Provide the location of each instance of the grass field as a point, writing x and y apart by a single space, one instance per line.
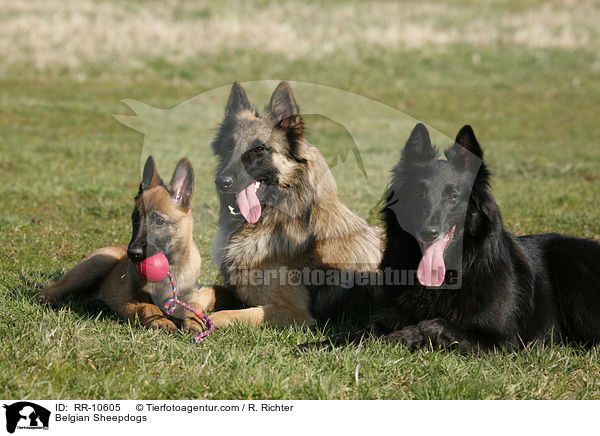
526 75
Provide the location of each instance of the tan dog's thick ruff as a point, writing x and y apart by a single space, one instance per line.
280 211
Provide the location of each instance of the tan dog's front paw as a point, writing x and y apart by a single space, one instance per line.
221 319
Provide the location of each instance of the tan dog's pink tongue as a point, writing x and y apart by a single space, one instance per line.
249 205
432 270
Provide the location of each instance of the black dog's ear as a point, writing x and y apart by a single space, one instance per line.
466 138
465 152
238 100
284 109
181 186
418 147
150 177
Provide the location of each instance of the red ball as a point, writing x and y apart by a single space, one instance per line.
153 268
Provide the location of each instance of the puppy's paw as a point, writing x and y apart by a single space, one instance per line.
193 324
164 324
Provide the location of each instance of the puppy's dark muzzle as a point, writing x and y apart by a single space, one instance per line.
136 253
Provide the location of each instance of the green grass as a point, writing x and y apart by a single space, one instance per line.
69 171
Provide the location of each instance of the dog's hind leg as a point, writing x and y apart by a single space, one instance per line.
85 276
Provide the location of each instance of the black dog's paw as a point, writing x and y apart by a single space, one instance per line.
436 333
410 336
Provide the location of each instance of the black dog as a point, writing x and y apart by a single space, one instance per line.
515 290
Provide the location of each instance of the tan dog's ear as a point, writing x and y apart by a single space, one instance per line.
150 177
181 186
238 100
286 113
284 109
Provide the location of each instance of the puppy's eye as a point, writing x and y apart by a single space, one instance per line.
159 221
258 149
452 196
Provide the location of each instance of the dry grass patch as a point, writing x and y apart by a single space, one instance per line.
52 35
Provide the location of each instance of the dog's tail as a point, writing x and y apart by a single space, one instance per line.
85 276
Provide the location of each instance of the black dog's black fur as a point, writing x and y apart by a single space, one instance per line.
515 290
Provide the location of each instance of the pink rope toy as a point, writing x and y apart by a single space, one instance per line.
172 304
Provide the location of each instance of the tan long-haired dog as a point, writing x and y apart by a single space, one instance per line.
287 247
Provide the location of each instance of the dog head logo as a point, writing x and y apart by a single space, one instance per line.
26 415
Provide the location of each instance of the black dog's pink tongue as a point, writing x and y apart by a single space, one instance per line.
248 204
432 270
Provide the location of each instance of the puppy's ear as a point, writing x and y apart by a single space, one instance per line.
466 151
284 109
238 100
181 186
418 147
150 177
